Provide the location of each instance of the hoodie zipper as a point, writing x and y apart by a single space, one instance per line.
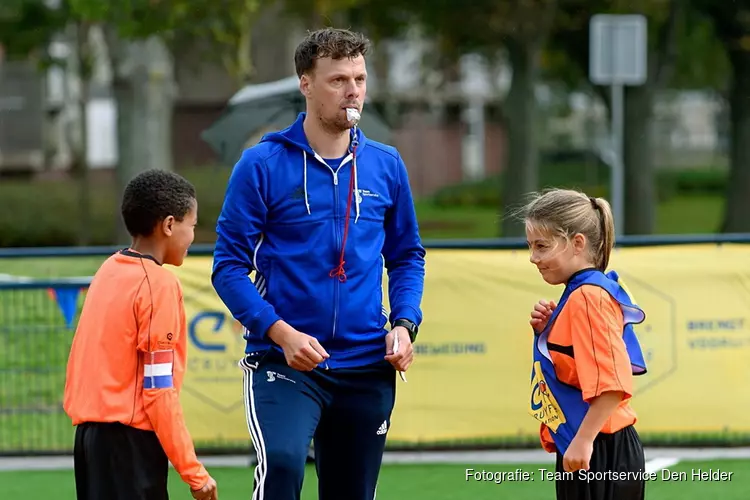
336 282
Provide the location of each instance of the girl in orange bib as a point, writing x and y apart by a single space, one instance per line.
585 351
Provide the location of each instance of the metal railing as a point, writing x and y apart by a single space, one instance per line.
465 244
37 318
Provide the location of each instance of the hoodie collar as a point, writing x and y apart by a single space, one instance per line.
295 135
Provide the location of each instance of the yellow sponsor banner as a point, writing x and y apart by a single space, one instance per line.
472 371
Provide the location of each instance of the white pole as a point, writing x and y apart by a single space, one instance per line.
618 175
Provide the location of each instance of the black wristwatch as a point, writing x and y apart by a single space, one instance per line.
411 327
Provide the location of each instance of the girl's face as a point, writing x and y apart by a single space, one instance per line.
555 257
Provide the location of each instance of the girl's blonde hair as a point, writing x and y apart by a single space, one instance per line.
565 212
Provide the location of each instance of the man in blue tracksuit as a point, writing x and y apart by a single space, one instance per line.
318 212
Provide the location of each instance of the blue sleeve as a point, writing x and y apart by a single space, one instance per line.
404 253
238 230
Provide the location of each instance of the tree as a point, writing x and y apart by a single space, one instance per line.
27 28
731 21
224 28
571 36
142 83
527 25
521 28
140 36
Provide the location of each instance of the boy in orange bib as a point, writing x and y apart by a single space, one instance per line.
128 357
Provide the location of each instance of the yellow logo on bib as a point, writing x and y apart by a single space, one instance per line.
543 405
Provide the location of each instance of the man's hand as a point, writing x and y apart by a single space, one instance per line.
405 355
578 454
208 492
302 352
541 314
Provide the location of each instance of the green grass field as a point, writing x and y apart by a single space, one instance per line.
418 482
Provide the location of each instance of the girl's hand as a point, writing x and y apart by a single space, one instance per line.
541 313
578 454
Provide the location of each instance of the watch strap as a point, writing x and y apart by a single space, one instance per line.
410 326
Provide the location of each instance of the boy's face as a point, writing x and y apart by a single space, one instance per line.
180 236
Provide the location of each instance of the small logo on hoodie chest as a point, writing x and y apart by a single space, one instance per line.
363 193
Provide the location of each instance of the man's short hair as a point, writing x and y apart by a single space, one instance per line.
329 42
152 196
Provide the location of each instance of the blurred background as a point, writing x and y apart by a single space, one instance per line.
485 100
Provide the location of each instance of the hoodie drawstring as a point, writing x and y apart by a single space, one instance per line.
307 202
356 184
338 271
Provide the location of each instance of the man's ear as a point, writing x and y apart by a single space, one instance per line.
304 85
167 225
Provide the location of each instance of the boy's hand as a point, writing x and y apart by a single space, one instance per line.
208 492
541 314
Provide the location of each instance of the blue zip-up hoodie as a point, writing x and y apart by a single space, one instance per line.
283 217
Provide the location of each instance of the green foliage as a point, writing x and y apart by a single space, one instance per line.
132 18
27 26
731 20
698 182
699 60
325 9
592 179
460 211
28 219
380 19
481 26
224 29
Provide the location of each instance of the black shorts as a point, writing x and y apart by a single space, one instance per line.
619 452
117 462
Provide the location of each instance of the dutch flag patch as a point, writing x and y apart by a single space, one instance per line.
157 370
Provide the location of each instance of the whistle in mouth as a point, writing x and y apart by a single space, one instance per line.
352 115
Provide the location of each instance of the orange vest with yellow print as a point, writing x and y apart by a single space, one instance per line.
559 406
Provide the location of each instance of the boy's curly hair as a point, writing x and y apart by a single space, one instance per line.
152 196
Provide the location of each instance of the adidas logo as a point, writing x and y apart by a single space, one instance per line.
383 428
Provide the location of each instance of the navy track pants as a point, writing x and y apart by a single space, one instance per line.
346 413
